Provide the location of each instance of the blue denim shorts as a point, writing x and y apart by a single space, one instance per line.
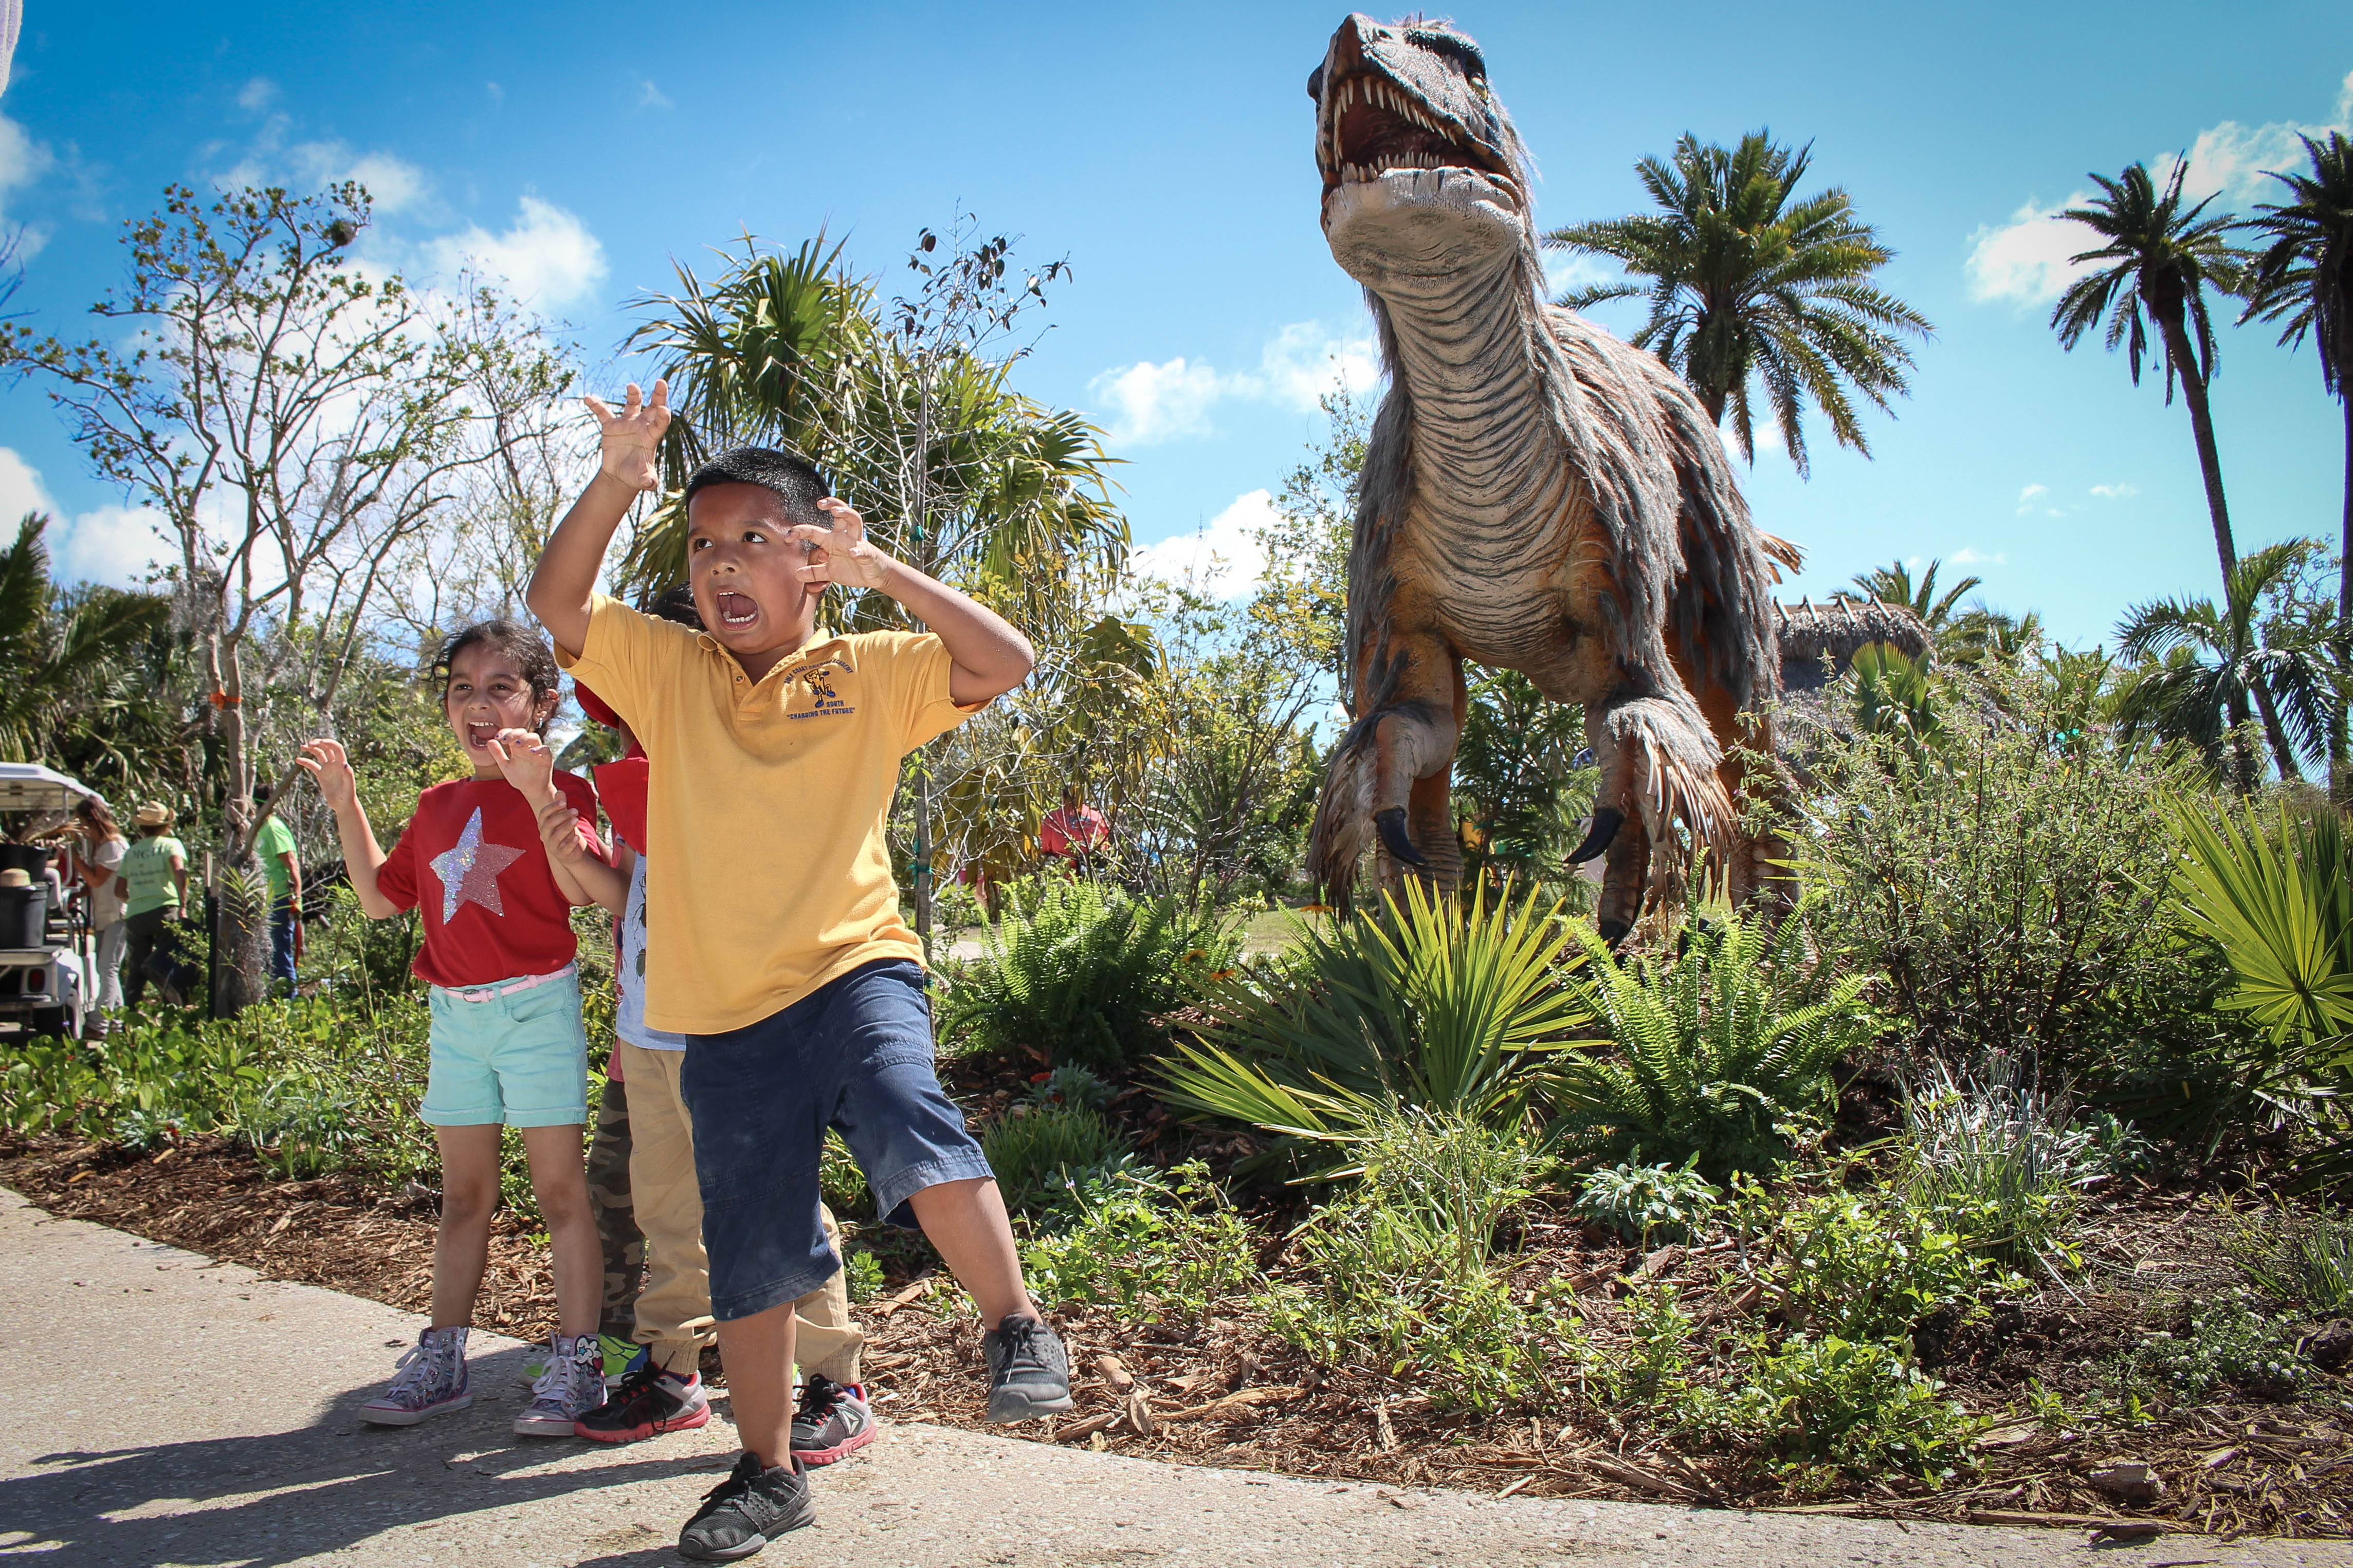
521 1059
854 1055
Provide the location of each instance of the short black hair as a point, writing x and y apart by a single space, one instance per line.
676 604
525 646
799 486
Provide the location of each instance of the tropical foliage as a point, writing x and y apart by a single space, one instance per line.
1748 284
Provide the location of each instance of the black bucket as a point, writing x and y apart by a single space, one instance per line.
32 859
24 917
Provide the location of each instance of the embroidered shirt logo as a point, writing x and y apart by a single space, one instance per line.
469 870
826 703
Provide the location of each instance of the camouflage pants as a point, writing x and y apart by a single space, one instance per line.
617 1220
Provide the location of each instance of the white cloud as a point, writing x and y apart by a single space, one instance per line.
114 544
395 184
1171 401
1566 269
1967 556
497 94
651 97
2025 260
549 258
2116 492
1223 559
22 162
2031 497
257 94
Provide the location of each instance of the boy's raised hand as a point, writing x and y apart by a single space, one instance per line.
326 761
527 763
840 553
631 438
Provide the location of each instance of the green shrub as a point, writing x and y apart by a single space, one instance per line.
839 1181
1428 1003
1850 1408
2009 884
1086 975
1073 1086
1038 1155
1644 1202
1713 1051
1864 1265
863 1275
2304 1260
2227 1343
1144 1244
1394 1272
1995 1157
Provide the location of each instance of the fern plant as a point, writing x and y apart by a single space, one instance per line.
1428 1004
1711 1052
1084 976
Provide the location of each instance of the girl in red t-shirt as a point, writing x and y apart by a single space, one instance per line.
507 1043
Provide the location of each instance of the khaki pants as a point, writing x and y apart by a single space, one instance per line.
674 1308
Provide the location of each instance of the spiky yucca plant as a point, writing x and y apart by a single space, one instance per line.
1431 1003
1711 1051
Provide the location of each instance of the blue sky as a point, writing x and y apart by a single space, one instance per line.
1166 151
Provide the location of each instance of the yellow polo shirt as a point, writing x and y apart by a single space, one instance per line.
767 874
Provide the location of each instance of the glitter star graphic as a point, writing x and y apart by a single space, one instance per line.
469 869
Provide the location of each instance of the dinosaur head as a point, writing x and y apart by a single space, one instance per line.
1421 166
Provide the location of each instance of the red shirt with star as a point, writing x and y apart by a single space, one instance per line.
471 861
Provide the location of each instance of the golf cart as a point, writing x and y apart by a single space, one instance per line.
43 943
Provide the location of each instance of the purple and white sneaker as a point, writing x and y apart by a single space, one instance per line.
571 1386
431 1382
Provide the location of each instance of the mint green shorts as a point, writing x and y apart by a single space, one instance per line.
521 1059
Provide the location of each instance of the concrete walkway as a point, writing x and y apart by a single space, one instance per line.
165 1410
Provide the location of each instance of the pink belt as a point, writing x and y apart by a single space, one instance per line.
492 992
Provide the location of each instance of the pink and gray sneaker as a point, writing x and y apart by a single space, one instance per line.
431 1382
570 1386
830 1421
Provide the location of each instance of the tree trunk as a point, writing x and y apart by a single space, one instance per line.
2282 752
2202 424
2340 767
241 932
2243 755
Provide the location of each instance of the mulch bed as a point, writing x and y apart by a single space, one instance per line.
1218 1389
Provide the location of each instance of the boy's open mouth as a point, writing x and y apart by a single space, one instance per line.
735 610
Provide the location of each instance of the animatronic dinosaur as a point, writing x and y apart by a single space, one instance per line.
1537 496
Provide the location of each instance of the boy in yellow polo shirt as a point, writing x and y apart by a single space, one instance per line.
775 941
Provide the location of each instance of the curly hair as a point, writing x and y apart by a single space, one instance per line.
527 647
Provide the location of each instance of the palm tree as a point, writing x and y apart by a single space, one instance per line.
1747 282
2305 278
2204 664
1893 585
2163 259
74 687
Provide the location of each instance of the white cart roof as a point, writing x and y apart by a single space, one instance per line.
28 786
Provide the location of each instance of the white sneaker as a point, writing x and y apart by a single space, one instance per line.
431 1382
572 1385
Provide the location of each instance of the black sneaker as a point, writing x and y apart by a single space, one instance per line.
1029 1370
829 1423
649 1401
743 1513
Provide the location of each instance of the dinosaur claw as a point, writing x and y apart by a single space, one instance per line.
1613 931
1606 823
1394 837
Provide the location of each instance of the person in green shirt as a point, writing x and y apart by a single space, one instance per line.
274 846
153 885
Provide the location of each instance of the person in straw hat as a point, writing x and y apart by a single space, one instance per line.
154 884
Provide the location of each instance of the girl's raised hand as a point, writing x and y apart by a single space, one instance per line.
559 830
527 763
326 761
631 438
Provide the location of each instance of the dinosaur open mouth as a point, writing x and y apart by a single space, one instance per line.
1370 126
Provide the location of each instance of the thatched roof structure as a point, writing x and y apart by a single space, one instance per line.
1812 633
